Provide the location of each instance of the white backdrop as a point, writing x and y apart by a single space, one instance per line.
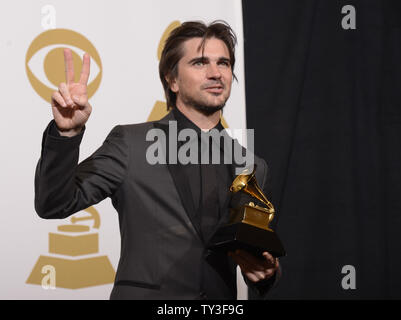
126 35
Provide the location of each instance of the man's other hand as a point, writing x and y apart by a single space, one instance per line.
255 269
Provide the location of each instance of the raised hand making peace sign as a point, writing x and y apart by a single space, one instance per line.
70 105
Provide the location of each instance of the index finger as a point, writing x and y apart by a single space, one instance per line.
85 69
269 257
69 66
251 258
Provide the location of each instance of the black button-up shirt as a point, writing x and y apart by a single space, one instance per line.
221 181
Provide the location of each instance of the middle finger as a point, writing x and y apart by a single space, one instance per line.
63 89
69 66
261 263
249 267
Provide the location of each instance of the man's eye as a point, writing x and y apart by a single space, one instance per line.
198 63
224 63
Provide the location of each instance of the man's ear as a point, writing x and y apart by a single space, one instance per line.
172 84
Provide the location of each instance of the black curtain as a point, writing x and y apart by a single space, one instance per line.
325 106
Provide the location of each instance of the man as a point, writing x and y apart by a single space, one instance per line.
167 212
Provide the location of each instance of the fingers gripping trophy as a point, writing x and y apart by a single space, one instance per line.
70 106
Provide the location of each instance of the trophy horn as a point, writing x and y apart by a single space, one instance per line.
246 182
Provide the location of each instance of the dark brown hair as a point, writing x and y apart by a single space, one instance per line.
172 51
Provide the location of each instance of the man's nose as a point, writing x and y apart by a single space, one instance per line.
213 71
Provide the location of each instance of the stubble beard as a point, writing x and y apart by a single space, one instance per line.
202 106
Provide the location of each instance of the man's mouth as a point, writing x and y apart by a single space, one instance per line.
214 89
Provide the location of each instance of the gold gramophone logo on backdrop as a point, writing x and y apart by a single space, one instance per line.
159 109
68 245
53 66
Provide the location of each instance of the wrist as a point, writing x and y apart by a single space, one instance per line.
70 133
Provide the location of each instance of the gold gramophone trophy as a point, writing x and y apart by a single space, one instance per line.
248 227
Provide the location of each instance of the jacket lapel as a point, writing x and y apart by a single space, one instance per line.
231 200
227 199
180 179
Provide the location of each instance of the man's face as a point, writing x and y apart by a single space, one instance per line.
203 81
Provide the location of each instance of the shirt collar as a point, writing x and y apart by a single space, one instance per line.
183 122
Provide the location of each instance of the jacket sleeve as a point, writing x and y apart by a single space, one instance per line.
63 187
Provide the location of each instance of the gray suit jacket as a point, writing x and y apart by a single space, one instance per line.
163 253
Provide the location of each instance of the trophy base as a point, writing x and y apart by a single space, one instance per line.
248 238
